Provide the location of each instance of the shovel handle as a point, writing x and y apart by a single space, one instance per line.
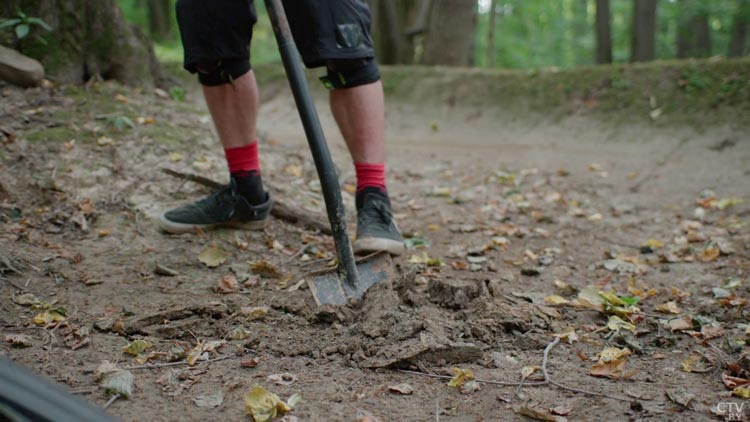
316 139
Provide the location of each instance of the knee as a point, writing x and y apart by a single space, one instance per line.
221 72
349 73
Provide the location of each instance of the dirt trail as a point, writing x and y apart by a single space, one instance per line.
502 209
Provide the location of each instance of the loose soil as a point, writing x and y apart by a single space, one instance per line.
495 211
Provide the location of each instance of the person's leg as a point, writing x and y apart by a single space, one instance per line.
359 112
234 110
215 36
360 115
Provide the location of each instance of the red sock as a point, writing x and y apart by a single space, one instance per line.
370 175
243 161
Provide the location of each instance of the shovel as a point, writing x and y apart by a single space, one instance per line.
352 277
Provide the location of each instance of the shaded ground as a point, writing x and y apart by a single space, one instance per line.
497 210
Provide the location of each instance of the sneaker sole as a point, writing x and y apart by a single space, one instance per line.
370 245
180 228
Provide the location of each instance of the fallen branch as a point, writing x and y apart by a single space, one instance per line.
21 288
168 364
447 377
281 210
549 380
111 400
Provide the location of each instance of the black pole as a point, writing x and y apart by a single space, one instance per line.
326 171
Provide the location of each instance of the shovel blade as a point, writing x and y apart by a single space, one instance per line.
330 287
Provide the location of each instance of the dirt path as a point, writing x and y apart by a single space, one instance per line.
497 213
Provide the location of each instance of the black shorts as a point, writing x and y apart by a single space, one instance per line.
220 30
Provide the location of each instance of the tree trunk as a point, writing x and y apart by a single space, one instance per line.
451 30
88 38
693 32
580 29
491 34
603 32
643 42
393 45
159 19
740 29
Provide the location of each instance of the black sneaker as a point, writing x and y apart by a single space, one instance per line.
223 208
376 230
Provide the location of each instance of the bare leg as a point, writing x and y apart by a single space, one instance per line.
360 114
234 109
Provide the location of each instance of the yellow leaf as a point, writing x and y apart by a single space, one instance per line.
612 298
654 244
175 157
238 333
709 254
742 391
197 353
136 347
669 308
610 354
689 364
264 405
48 317
616 323
556 300
568 335
460 376
728 202
213 256
122 99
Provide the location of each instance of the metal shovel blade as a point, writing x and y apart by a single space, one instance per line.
329 286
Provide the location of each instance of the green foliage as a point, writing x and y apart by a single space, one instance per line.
22 25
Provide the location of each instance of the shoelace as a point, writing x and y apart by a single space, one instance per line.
376 212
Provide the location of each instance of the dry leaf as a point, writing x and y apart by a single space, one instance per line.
539 414
213 256
616 323
250 363
709 254
265 269
691 364
255 312
742 391
681 324
264 405
568 335
589 298
669 308
460 376
611 363
136 347
18 340
709 332
365 416
49 316
556 300
402 388
238 333
527 371
227 284
470 387
562 410
654 244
